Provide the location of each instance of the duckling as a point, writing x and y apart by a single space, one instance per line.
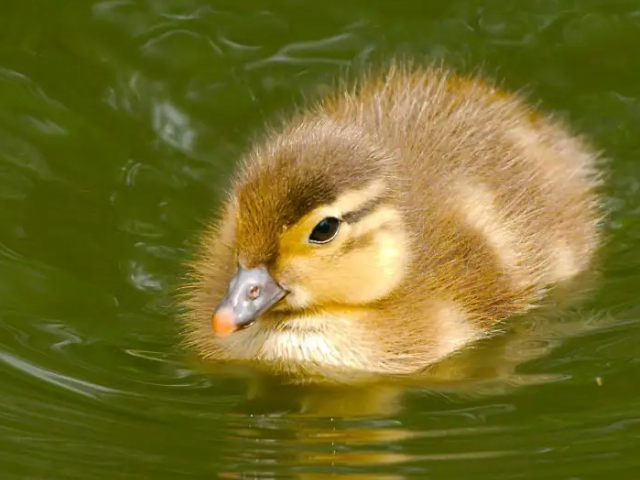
390 225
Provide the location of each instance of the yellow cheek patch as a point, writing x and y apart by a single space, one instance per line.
363 263
364 266
369 273
392 255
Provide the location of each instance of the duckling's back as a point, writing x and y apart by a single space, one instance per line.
499 200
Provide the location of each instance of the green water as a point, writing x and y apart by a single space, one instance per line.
119 122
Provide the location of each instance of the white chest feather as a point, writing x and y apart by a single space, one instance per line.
321 339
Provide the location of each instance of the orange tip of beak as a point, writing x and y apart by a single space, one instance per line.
224 323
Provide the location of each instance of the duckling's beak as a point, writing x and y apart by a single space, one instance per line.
251 293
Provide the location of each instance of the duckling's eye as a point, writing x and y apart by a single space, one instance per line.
325 231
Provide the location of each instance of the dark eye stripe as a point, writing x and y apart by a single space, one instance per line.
366 209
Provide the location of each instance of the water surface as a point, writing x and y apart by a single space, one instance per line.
119 124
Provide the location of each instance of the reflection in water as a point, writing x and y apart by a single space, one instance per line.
312 448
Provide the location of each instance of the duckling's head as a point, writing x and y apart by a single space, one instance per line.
317 226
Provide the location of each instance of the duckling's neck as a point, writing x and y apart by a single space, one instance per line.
354 339
317 337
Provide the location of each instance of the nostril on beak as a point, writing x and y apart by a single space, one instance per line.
254 292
